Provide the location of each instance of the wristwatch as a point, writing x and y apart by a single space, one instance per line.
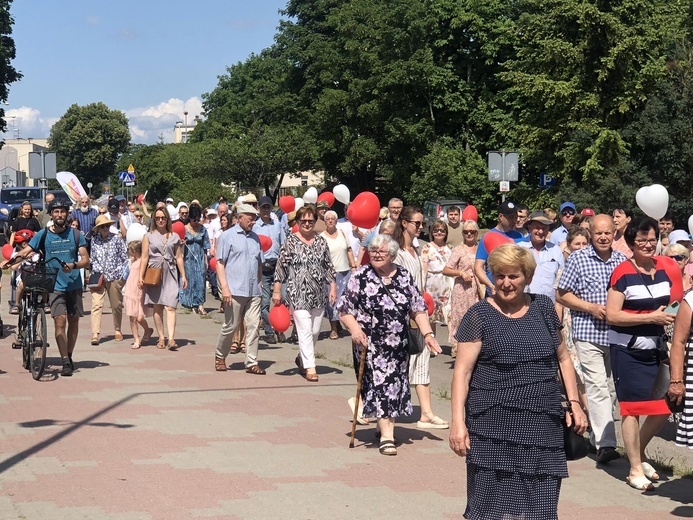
429 334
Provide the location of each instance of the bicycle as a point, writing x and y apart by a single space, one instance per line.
32 338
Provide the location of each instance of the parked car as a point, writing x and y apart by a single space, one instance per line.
437 209
12 198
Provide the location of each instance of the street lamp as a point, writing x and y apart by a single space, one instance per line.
185 134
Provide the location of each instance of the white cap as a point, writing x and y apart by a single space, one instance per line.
679 235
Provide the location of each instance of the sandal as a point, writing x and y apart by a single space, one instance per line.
201 311
334 335
255 369
161 343
640 483
434 424
387 447
650 472
172 345
312 378
243 347
235 349
220 364
147 336
135 345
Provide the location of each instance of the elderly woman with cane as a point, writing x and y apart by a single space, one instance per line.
376 307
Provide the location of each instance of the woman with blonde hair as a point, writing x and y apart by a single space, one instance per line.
507 414
465 291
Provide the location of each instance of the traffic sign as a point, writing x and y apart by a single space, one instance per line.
546 180
126 176
503 166
131 168
505 186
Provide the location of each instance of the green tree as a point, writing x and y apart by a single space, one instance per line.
88 141
8 73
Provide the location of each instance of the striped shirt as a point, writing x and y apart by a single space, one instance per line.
643 294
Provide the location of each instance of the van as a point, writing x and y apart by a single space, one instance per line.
437 209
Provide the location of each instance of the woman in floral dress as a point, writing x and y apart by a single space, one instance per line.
376 306
434 257
465 291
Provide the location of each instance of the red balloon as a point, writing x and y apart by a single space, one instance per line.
327 196
213 263
470 213
364 210
674 273
179 229
294 228
265 243
287 203
279 318
492 240
140 198
429 303
7 251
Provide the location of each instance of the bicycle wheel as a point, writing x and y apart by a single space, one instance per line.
39 342
23 339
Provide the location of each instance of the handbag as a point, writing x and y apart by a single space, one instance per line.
152 276
95 281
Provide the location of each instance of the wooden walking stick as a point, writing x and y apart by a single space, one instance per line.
362 363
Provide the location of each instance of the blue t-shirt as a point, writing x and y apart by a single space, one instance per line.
61 247
482 254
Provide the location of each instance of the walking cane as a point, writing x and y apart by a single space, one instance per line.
364 350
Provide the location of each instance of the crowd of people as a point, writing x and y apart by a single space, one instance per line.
542 293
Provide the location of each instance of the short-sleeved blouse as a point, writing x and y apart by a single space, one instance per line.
305 268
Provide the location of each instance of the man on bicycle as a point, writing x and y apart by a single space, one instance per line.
66 250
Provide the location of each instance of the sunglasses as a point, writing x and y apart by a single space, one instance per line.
439 231
470 232
417 223
159 218
138 216
307 221
567 212
678 258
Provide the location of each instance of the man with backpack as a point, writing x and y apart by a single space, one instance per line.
65 249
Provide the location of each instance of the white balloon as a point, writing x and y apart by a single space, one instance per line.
136 231
310 196
342 193
690 224
299 203
653 200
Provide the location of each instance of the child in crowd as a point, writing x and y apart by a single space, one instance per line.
21 238
133 298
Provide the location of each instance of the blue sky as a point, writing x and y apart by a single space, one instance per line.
152 59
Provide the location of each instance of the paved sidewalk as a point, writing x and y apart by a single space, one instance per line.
153 434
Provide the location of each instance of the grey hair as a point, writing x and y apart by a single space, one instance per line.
331 213
387 241
387 227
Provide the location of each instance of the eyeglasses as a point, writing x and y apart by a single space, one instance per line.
183 213
383 218
102 212
470 232
159 218
417 223
641 242
377 253
438 231
678 258
567 212
307 221
138 216
395 207
252 203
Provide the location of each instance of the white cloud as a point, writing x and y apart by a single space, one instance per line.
146 123
93 20
27 122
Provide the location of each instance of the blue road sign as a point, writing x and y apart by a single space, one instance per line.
126 176
546 180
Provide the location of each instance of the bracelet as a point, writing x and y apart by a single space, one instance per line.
428 334
676 382
573 401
